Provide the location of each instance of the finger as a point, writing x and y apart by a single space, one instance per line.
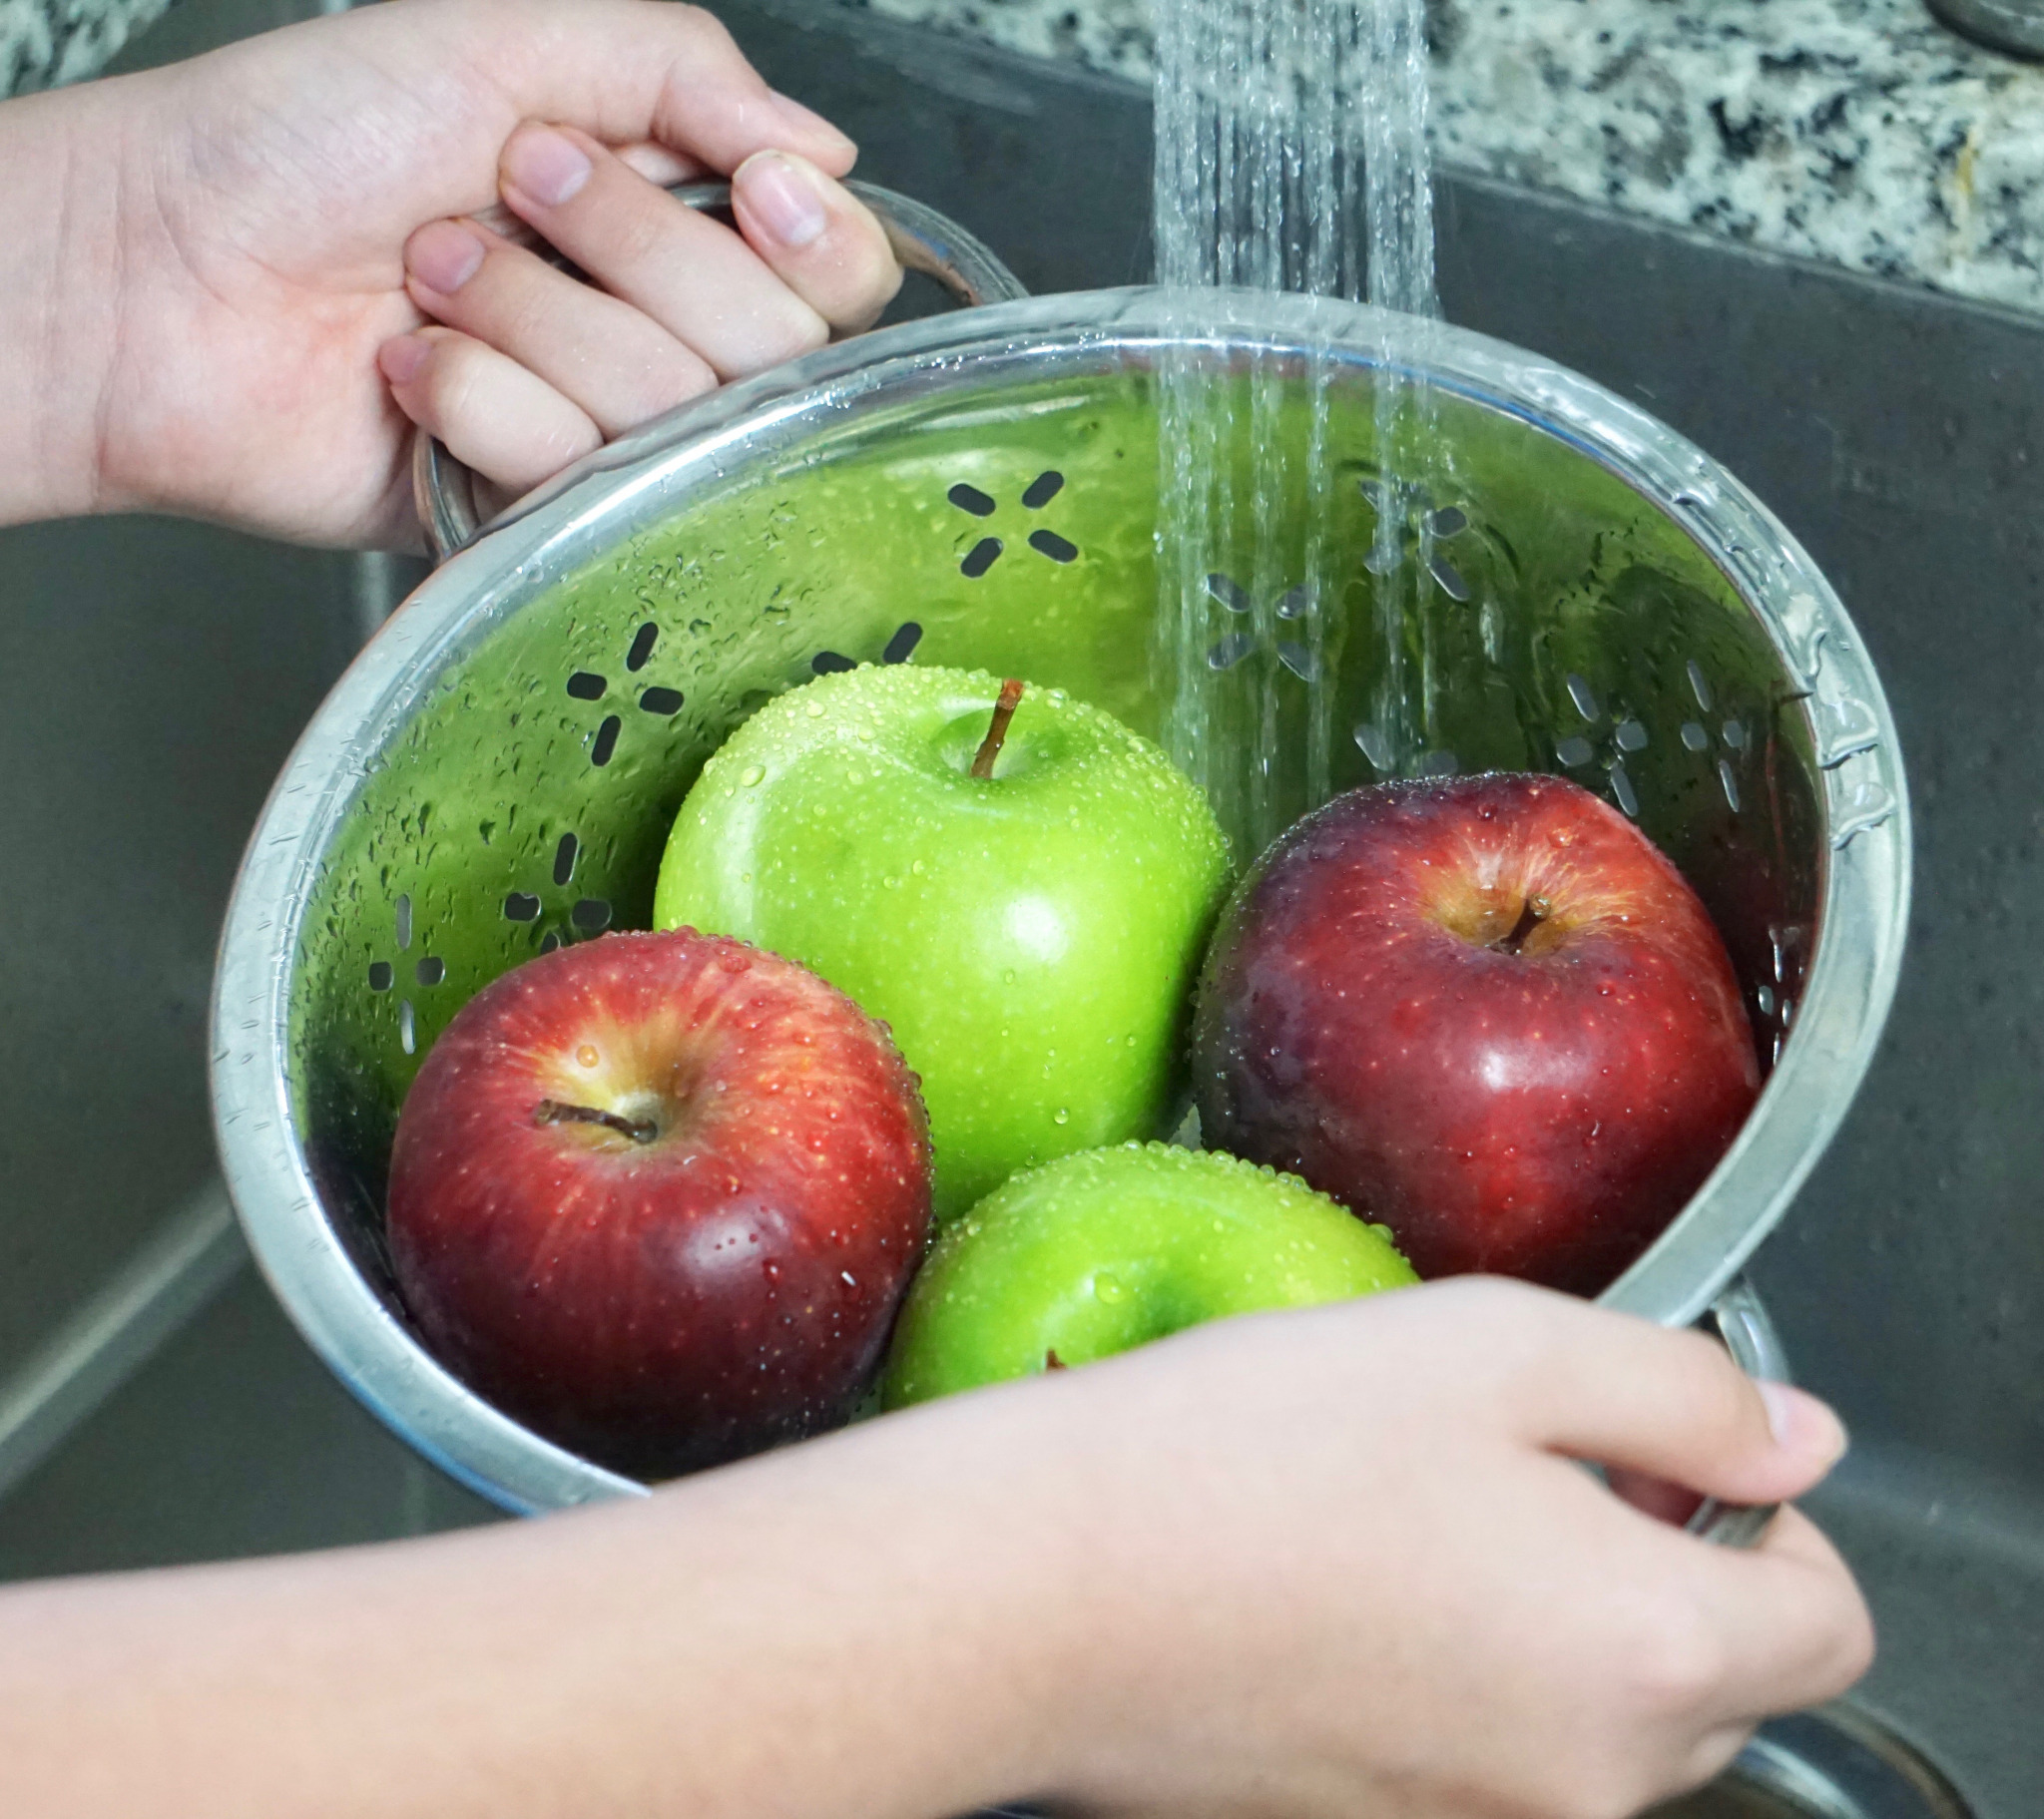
660 166
508 424
612 361
816 236
1791 1629
691 275
1624 1391
626 71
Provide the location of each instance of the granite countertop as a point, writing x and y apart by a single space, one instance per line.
46 42
1860 133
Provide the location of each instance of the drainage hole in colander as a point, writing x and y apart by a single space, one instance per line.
519 907
1448 578
382 975
564 858
606 741
971 499
586 685
1043 489
830 662
661 701
430 970
402 913
980 557
643 642
903 644
1049 543
592 915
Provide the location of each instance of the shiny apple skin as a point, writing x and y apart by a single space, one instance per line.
664 1305
1363 1023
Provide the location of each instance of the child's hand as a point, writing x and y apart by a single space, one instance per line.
1343 1561
232 241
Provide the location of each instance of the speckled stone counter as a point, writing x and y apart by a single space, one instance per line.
45 42
1856 131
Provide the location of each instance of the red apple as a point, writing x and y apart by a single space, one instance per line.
659 1197
1486 1012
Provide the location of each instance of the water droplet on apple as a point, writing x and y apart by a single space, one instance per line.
1060 1116
815 711
1106 1288
586 1055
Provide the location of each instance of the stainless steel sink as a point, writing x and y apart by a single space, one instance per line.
157 674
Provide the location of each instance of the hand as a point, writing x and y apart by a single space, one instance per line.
1335 1563
1343 1563
243 233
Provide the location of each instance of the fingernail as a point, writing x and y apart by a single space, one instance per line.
781 193
1802 1423
444 257
808 122
401 359
546 165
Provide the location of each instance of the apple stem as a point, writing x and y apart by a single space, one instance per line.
1530 918
551 1112
1004 711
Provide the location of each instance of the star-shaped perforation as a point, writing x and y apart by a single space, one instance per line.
1035 495
427 971
588 685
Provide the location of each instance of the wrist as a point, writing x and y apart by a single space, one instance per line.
59 274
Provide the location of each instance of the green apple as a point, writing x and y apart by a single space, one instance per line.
1095 1253
1029 936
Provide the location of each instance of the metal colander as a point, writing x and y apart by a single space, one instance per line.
496 775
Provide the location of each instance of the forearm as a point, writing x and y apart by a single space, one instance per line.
59 273
862 1626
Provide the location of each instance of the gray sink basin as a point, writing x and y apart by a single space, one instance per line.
157 674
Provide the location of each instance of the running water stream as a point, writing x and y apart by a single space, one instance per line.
1291 155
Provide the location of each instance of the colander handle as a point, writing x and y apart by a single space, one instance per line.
923 240
1747 1330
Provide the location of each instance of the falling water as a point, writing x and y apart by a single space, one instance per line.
1290 156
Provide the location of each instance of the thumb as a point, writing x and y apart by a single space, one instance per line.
623 71
1618 1391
